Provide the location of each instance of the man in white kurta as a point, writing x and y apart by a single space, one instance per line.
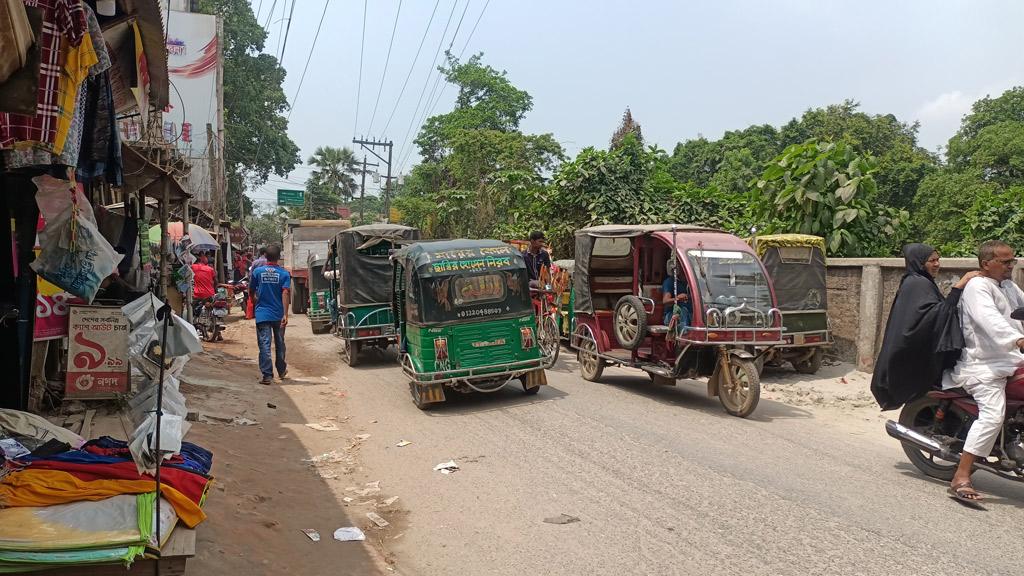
992 352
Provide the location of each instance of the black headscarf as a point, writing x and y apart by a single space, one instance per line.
922 336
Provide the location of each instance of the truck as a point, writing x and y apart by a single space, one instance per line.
303 238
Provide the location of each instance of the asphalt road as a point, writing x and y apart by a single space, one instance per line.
661 479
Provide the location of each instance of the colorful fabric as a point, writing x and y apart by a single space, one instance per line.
190 484
193 457
77 62
33 487
63 21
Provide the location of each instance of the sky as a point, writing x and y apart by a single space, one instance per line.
684 68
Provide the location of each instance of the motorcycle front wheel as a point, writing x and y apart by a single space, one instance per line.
919 415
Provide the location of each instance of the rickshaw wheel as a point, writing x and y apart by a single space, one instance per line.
742 398
812 364
591 365
530 391
550 341
351 348
630 322
416 399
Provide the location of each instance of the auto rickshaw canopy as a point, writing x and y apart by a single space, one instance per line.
796 264
364 271
762 243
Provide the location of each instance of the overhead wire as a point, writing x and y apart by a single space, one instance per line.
387 61
270 16
287 30
359 86
280 29
415 59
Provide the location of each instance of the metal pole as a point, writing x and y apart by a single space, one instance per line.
362 192
387 187
186 216
165 214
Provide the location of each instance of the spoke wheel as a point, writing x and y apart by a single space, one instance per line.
350 349
740 397
550 343
591 365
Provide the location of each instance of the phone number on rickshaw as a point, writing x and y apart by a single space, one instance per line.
479 312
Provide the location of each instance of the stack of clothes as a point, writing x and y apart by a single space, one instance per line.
67 502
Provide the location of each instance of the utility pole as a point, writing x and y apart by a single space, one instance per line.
362 187
369 145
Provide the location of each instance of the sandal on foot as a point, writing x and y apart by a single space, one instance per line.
965 493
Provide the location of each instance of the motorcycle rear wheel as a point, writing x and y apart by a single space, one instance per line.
919 415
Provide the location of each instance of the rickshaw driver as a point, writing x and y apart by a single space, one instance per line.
536 257
675 290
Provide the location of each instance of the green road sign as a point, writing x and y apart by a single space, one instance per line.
290 197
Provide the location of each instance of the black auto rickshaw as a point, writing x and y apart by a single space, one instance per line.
796 265
360 271
464 319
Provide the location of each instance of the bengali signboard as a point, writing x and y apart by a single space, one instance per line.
97 353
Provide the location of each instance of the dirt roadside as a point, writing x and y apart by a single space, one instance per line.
275 476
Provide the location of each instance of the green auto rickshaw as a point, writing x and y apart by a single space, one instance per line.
318 305
796 265
361 285
464 318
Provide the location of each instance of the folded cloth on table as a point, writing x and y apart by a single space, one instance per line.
193 457
192 485
46 487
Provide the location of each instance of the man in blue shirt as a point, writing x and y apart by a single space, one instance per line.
676 290
271 288
536 256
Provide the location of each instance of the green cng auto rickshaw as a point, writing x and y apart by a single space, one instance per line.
796 265
318 306
361 285
464 319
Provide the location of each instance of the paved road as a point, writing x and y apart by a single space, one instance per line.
663 482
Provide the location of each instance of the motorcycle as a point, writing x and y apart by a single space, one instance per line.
209 315
933 428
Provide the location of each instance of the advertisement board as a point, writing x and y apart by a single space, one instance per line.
97 353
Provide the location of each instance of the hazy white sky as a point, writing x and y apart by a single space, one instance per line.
685 68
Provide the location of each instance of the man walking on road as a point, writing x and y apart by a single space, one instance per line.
271 289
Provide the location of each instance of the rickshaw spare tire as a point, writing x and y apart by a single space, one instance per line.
630 322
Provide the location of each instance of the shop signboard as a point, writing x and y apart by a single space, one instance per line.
97 353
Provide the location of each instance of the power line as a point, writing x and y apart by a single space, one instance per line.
359 88
387 61
280 29
286 32
415 58
459 25
309 57
473 31
270 15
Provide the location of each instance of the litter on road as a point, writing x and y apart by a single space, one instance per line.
561 519
312 534
244 422
349 534
323 427
447 467
376 519
271 405
389 501
362 437
403 443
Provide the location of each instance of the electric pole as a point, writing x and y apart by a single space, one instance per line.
369 145
362 187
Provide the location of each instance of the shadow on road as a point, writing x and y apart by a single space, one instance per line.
693 394
510 396
995 490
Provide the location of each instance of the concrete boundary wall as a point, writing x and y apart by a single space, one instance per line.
860 295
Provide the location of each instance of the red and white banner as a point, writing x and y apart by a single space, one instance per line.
97 353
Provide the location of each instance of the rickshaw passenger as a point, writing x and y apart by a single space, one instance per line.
676 290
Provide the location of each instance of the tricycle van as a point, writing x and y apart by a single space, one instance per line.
464 319
361 285
678 302
796 265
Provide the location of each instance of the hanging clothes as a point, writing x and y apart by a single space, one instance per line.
63 21
16 37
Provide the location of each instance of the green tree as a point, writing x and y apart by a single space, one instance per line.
256 129
478 171
331 183
266 228
828 189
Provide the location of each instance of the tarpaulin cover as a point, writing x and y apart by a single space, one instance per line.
362 255
798 286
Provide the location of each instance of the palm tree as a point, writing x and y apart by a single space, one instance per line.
332 181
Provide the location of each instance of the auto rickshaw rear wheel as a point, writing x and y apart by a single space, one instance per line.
740 398
591 365
351 348
417 400
812 364
530 391
630 322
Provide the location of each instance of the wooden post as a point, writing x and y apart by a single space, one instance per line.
165 215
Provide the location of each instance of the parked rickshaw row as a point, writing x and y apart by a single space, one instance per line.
675 301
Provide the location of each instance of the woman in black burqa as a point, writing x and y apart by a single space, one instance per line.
922 336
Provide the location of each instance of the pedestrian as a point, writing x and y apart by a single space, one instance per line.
993 351
203 280
922 336
271 291
262 260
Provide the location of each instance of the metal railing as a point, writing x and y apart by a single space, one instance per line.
380 320
488 371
